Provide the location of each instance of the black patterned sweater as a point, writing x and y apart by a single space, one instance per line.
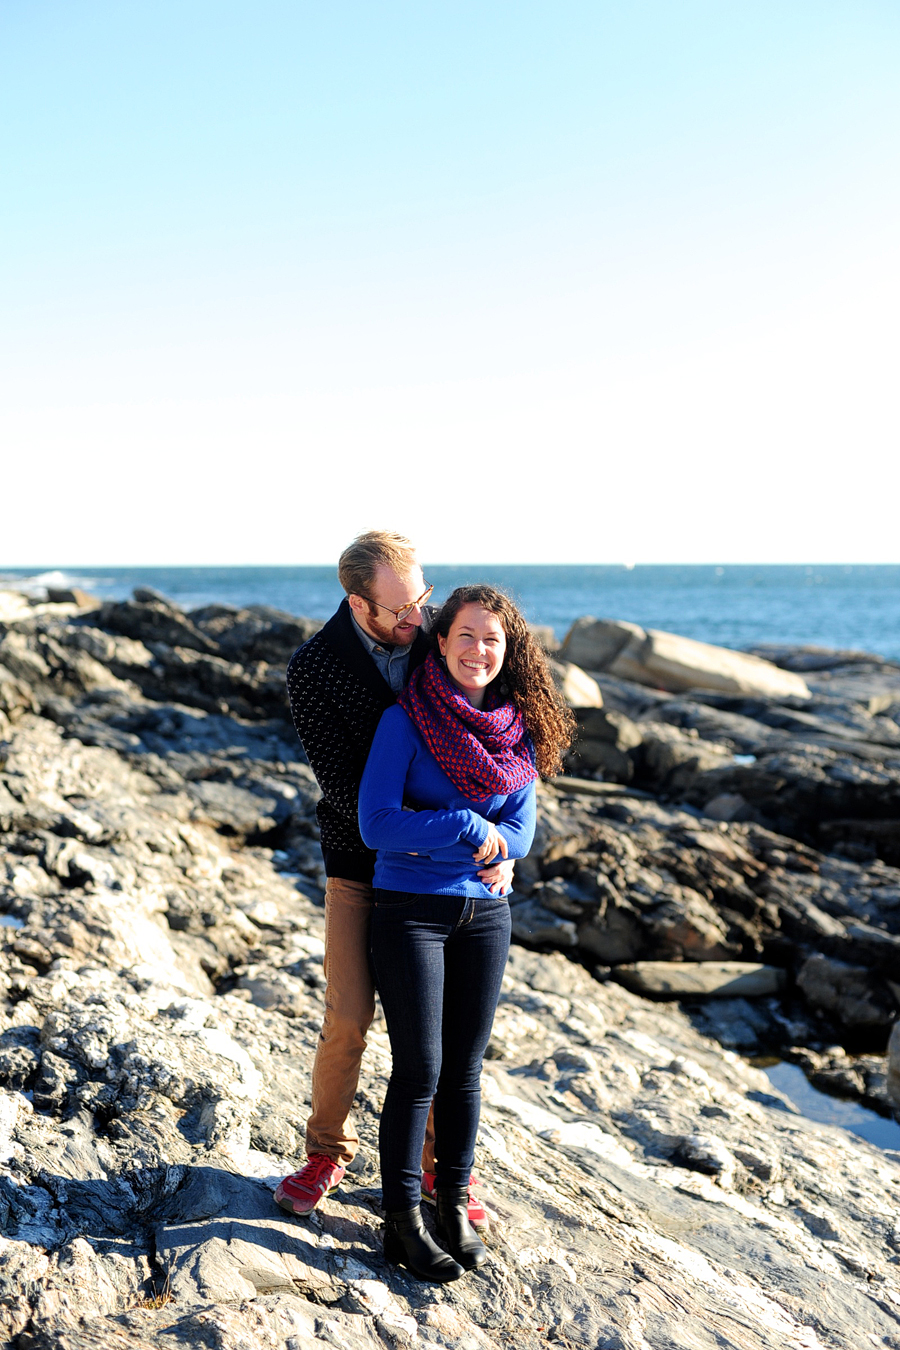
337 696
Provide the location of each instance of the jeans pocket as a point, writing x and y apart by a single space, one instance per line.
394 900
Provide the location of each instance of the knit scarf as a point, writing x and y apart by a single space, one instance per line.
484 752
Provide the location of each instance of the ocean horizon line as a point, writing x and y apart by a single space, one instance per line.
742 605
8 570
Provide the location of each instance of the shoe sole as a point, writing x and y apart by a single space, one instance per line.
284 1202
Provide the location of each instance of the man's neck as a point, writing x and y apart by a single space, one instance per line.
370 637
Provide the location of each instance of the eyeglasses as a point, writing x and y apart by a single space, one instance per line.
406 610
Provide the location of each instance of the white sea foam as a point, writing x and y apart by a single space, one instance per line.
36 586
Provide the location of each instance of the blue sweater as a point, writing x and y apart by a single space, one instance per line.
443 829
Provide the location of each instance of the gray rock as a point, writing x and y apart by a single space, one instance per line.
668 661
727 806
603 742
848 992
592 787
595 644
533 924
257 633
578 688
893 1067
223 1239
615 937
707 1153
276 989
545 635
160 1001
671 760
747 1025
701 979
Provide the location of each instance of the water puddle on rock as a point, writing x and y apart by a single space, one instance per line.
815 1105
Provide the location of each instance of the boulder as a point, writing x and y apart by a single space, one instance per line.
72 595
668 661
851 994
670 759
835 1071
701 979
893 1068
535 925
597 644
579 689
13 606
616 936
684 926
150 617
603 743
833 801
257 633
612 728
727 806
659 756
543 633
592 787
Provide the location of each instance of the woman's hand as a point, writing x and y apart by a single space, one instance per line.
494 844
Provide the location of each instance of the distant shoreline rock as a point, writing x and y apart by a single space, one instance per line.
667 661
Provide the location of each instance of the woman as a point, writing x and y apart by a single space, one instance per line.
449 786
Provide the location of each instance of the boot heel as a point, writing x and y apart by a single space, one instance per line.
408 1243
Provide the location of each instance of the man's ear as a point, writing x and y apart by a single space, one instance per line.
357 604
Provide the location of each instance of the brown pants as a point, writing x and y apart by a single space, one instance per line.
349 1009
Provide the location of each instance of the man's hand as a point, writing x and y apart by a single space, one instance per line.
494 845
498 877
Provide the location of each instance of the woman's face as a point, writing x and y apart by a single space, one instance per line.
474 650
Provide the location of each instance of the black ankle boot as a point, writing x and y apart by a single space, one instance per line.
407 1242
453 1226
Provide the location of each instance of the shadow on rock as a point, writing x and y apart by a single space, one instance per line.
222 1237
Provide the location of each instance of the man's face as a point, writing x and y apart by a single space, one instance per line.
391 591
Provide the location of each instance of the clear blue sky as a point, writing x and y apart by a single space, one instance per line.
564 282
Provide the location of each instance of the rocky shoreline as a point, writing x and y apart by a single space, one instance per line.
716 876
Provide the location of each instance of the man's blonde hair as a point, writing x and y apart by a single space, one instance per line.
376 548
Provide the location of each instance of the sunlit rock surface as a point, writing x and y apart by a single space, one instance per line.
161 980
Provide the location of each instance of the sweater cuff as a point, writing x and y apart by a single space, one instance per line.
477 831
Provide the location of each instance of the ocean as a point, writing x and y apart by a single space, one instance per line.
855 607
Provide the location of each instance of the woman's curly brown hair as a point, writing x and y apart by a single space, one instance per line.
524 676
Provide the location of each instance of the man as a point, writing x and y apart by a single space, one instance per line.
339 683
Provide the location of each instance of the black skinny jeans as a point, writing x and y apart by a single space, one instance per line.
438 962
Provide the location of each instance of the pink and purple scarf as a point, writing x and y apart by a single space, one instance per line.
484 752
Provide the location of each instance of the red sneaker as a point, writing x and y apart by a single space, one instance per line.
300 1193
475 1209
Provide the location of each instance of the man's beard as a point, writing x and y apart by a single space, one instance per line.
391 635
